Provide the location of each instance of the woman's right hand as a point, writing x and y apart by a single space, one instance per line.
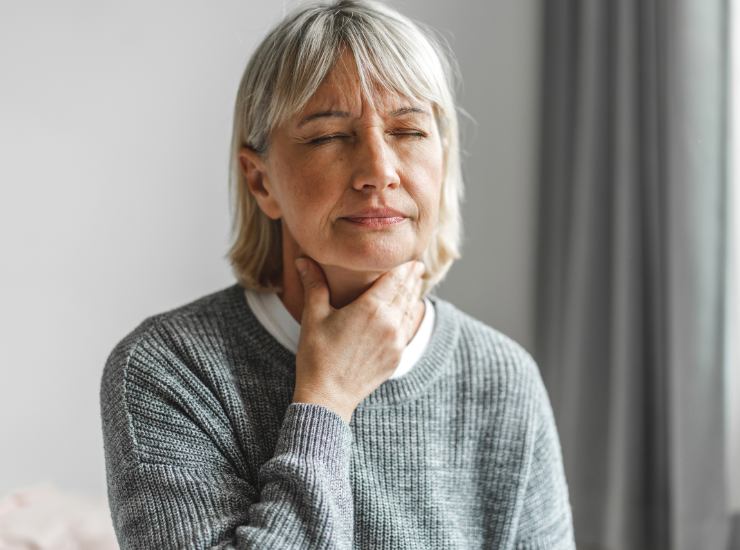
344 354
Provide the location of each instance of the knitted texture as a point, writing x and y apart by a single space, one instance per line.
204 449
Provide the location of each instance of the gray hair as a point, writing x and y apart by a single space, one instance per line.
286 69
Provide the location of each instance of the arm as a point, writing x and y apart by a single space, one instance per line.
174 474
545 521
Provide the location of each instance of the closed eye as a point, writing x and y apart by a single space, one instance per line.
409 133
325 139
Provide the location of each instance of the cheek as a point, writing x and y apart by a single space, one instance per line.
307 189
425 171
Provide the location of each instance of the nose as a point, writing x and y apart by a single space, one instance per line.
374 163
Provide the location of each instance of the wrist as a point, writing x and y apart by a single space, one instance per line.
317 399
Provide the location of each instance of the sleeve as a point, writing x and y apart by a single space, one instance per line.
545 521
173 474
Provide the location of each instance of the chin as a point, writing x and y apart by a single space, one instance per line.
381 264
358 256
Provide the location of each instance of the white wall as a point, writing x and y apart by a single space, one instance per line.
116 118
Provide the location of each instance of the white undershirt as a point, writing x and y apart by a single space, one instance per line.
277 320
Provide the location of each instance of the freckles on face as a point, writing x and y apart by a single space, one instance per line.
308 193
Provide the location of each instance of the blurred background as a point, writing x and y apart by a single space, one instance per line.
599 233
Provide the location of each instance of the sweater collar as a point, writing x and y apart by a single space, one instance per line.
275 317
254 339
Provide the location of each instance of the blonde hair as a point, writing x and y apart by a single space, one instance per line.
285 71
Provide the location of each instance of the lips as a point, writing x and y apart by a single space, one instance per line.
375 222
378 212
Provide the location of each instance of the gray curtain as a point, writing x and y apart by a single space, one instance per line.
631 254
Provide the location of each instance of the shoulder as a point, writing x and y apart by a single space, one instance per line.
492 362
500 379
187 328
485 346
172 350
165 373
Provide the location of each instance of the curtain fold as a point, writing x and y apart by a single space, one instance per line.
632 240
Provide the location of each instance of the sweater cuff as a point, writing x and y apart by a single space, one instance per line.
315 432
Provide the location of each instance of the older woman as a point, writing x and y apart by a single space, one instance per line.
336 403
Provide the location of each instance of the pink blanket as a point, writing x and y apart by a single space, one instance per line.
42 517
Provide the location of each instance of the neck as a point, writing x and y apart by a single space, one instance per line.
345 285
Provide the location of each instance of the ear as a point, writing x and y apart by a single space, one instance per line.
254 168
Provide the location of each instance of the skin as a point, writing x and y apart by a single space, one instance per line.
319 170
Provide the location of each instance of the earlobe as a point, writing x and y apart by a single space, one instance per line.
257 181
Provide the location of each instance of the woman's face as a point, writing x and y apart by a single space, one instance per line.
343 153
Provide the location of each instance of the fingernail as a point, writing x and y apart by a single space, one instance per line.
300 265
420 267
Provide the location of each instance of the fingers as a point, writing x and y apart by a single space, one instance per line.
405 294
408 323
397 289
315 289
385 290
405 303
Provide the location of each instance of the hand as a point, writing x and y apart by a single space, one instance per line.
344 354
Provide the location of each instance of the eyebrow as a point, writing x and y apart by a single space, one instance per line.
344 114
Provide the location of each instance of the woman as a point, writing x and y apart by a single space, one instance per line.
338 403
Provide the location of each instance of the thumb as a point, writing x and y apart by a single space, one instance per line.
315 289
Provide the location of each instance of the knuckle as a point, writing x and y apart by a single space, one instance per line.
369 306
398 277
408 291
390 333
387 322
397 346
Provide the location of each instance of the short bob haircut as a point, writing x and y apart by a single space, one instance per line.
392 53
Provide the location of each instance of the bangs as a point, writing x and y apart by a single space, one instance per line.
390 56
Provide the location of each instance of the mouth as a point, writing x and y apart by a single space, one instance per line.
377 222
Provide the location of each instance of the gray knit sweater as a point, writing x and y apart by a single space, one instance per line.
203 447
